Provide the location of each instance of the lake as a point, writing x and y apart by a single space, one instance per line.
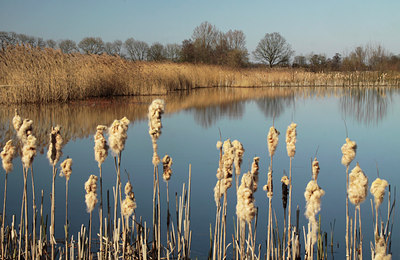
192 124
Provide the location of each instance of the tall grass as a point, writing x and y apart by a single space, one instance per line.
46 75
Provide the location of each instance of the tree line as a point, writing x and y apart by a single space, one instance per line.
209 45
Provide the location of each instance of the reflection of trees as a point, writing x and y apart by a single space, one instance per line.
366 105
274 106
207 116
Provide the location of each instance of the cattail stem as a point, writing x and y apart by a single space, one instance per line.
20 226
360 256
4 218
158 217
347 214
66 219
52 238
355 233
289 227
26 211
101 213
168 219
90 236
33 215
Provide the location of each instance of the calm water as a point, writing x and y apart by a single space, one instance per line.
191 127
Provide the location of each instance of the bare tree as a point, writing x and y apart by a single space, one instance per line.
205 35
156 52
113 48
91 45
172 52
51 44
68 46
236 40
273 50
136 50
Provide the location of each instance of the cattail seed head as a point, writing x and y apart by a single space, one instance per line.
315 169
100 145
117 135
28 151
285 183
358 186
219 145
129 204
349 152
17 121
269 186
272 140
167 171
254 172
66 168
239 151
291 135
55 145
25 130
377 189
91 195
245 208
224 175
156 109
313 196
380 249
7 155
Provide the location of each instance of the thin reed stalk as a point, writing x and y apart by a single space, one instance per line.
33 215
52 238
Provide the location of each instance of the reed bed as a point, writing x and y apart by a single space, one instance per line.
129 236
31 75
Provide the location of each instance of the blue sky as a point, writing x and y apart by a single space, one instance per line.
309 26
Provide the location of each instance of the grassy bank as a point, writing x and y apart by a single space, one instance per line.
48 75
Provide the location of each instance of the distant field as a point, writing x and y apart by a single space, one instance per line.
48 75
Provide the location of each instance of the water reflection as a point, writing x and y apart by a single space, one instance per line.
79 119
366 105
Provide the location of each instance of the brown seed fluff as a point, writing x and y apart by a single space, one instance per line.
377 189
100 145
254 172
7 155
272 140
313 196
358 186
269 186
245 208
224 175
239 151
17 121
117 135
167 171
291 135
129 204
55 145
91 195
28 151
380 249
25 130
315 169
156 109
285 183
349 152
66 168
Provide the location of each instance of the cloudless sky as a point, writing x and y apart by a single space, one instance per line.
309 26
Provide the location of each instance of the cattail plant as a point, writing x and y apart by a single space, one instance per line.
100 155
349 153
167 173
377 190
156 109
91 201
272 142
224 182
7 155
66 172
245 208
128 207
54 154
379 253
17 121
285 184
117 135
358 188
291 139
312 194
